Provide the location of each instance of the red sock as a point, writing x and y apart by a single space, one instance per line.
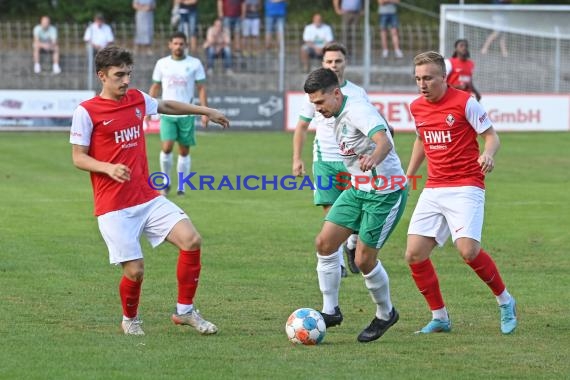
487 271
188 273
426 280
130 292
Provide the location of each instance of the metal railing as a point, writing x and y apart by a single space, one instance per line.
259 72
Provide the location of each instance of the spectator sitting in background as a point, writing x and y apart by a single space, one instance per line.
45 39
315 37
217 45
98 34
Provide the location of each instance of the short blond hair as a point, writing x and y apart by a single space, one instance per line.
430 57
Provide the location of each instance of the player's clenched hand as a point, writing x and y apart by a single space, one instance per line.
298 168
367 162
120 173
486 162
218 117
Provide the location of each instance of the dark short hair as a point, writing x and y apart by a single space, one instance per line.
335 46
112 56
321 80
461 40
177 35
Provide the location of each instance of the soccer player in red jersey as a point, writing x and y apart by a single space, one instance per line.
460 67
108 141
448 122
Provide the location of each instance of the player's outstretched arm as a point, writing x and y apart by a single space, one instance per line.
172 107
82 160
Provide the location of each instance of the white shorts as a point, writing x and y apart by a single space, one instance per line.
444 211
122 229
250 27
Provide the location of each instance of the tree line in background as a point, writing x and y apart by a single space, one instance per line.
73 11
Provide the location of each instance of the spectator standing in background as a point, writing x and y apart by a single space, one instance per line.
251 24
218 45
275 13
498 20
388 18
231 11
315 36
98 34
349 11
45 39
459 69
144 23
185 19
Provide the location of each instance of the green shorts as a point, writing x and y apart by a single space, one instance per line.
325 179
180 129
374 216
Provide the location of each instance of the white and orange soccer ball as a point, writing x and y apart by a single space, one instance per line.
305 326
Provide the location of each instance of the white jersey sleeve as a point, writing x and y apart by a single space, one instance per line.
448 67
477 116
307 112
81 127
150 103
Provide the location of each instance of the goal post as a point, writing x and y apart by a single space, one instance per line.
516 48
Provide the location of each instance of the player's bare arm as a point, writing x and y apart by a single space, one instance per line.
154 89
203 96
172 107
82 160
299 138
492 143
383 147
417 157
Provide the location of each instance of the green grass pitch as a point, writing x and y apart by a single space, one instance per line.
60 309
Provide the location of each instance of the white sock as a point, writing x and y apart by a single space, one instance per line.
340 252
127 318
351 241
328 272
378 286
183 309
440 314
165 162
504 298
183 167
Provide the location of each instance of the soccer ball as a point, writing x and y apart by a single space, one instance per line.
305 326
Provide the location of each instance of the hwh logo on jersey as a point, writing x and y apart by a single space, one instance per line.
437 137
128 134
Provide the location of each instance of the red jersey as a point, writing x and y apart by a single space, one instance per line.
113 131
461 73
448 130
232 8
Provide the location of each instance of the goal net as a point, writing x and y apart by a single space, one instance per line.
516 48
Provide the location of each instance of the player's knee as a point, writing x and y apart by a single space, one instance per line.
191 242
324 247
134 273
412 256
469 253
